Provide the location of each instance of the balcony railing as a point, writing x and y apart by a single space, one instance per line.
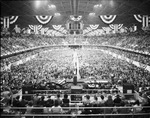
77 111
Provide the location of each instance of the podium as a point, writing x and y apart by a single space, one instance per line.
26 90
76 90
128 90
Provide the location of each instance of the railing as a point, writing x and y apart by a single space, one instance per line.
82 94
142 115
76 112
47 46
83 90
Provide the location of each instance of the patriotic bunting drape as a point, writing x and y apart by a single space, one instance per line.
145 19
56 27
106 29
44 30
116 27
6 20
78 18
94 26
43 19
35 28
13 19
107 18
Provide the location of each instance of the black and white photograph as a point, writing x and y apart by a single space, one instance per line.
75 59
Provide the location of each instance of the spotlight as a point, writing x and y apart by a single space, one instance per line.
97 5
112 3
52 6
100 5
57 14
92 14
37 3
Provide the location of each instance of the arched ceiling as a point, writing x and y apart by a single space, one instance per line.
66 8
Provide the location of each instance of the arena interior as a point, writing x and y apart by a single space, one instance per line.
75 59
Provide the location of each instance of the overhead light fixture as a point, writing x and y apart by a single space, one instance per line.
100 5
97 5
51 6
57 14
37 3
92 14
112 3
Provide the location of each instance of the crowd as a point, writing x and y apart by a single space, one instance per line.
53 64
135 41
104 66
14 43
62 105
144 59
58 63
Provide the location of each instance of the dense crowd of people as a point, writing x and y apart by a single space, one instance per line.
135 41
104 66
55 64
14 43
144 59
58 64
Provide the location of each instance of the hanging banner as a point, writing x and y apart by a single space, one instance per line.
107 18
56 27
89 29
61 82
75 18
116 27
44 30
85 31
64 31
107 29
6 20
43 19
145 20
94 26
138 17
35 28
13 19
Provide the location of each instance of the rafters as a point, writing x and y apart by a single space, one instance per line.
71 6
62 7
87 4
80 7
117 8
137 7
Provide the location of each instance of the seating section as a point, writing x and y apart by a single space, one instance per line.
41 67
135 41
